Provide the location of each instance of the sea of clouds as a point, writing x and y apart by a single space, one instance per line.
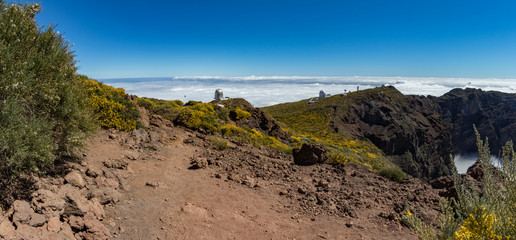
263 91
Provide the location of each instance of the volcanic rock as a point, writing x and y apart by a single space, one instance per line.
75 178
310 154
48 203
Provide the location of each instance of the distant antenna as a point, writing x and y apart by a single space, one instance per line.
219 95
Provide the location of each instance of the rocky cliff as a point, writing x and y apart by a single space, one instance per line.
493 113
418 133
406 128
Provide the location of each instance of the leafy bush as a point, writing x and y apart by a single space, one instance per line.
43 109
197 115
392 173
111 106
213 118
491 215
336 156
219 143
237 114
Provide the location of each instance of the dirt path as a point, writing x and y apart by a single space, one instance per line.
163 199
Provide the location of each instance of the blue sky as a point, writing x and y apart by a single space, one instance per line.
423 38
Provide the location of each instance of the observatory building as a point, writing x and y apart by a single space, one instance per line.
219 95
322 94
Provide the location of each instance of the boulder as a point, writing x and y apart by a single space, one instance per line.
6 229
309 154
106 182
48 203
198 163
140 136
93 171
105 195
77 204
95 230
158 121
76 222
116 163
75 178
37 220
54 225
22 212
96 209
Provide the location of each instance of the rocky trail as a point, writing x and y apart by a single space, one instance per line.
171 183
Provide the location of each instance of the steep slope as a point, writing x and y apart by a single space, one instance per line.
418 133
493 113
405 128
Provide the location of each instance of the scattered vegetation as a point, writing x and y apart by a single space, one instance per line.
392 173
311 123
490 215
212 118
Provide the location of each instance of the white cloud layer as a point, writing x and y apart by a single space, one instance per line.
269 90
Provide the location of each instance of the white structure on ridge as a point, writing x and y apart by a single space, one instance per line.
322 94
219 95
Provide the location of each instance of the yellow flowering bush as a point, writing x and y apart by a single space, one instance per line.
111 107
197 115
238 114
478 225
488 216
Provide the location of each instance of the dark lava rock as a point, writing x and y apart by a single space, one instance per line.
406 128
475 171
309 154
493 113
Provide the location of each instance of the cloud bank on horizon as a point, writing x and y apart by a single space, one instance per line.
270 90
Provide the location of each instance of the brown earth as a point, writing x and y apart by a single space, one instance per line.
171 183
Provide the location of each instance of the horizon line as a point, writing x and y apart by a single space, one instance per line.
294 77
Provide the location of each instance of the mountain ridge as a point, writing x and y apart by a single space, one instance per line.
417 132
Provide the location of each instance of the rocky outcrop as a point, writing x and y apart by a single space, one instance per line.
258 120
493 113
309 154
65 207
473 180
406 128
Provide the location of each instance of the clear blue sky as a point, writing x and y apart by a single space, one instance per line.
430 38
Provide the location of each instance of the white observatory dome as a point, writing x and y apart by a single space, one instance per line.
322 94
219 95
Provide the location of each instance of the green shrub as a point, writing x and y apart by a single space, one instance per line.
392 173
43 109
219 143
